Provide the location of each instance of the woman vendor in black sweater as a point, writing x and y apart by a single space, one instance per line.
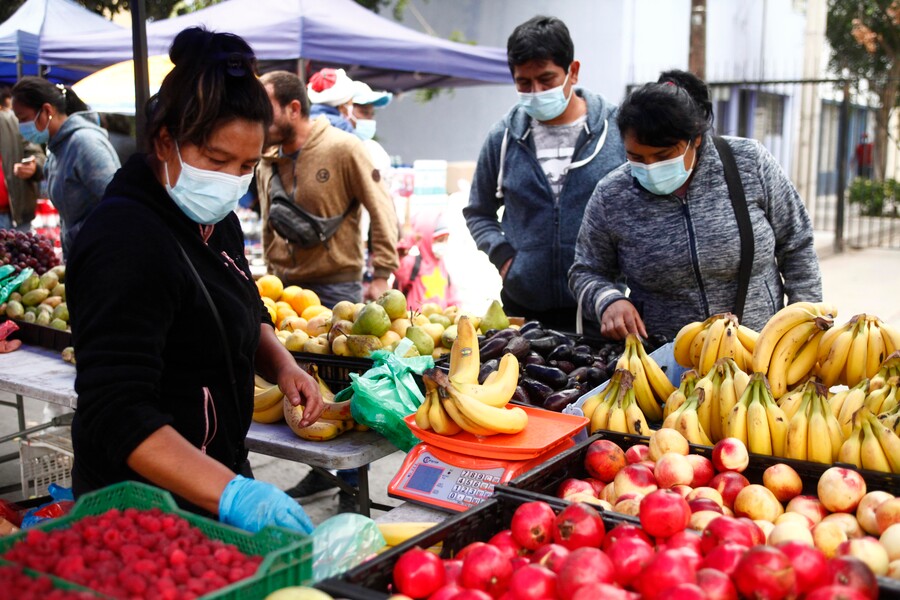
165 362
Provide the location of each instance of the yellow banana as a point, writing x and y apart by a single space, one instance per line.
617 421
396 533
778 423
818 440
828 339
836 402
662 387
871 453
781 322
874 400
675 399
874 348
590 405
730 345
706 394
500 390
272 414
741 380
759 437
600 417
710 353
726 399
747 337
683 340
465 360
784 354
853 401
697 348
851 449
890 402
501 420
259 382
421 418
642 390
831 369
634 418
440 420
736 425
798 432
891 337
889 441
267 398
324 390
804 360
855 369
689 426
463 421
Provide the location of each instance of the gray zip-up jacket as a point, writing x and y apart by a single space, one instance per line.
680 257
537 232
80 165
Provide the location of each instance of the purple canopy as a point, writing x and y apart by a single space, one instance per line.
342 33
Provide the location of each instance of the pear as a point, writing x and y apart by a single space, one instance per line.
448 337
372 320
394 303
362 346
343 311
440 319
422 340
494 318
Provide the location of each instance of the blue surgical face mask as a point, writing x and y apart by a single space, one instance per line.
206 197
664 177
546 105
32 134
365 129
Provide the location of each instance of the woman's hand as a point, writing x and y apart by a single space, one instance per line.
619 319
24 170
300 388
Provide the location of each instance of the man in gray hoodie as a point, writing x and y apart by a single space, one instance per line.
541 162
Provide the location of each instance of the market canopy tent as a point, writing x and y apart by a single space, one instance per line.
381 52
112 89
35 23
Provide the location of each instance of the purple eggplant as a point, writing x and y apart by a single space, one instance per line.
555 378
487 367
537 391
557 401
521 396
534 358
493 348
529 326
518 346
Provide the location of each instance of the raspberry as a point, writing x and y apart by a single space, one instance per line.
145 566
112 539
181 575
235 574
131 553
134 584
223 556
177 557
68 566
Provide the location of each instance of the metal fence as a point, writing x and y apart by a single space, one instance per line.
828 137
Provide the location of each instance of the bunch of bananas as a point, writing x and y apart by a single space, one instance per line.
457 402
813 431
266 401
855 350
845 403
616 407
884 400
700 344
756 420
651 386
679 396
787 347
335 419
686 418
889 368
872 444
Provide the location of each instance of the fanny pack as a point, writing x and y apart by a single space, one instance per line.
296 225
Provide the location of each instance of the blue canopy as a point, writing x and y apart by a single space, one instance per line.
23 35
341 33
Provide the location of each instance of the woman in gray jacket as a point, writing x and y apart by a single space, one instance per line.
664 223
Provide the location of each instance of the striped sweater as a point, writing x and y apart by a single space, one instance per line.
680 256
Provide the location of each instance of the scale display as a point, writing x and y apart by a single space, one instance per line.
434 481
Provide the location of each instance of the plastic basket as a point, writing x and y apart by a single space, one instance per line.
42 336
59 584
335 370
287 554
45 459
373 579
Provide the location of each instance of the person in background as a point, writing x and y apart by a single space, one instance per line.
422 276
81 160
22 170
119 129
541 163
665 222
361 113
330 94
863 157
168 321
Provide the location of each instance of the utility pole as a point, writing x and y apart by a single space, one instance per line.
141 75
697 52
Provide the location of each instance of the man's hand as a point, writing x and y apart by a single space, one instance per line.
24 170
505 268
301 389
378 286
619 319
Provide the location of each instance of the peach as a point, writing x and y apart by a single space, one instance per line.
700 519
890 539
757 502
887 514
673 469
869 550
827 536
584 497
631 506
637 453
706 492
765 526
790 532
701 504
648 463
682 489
793 517
840 489
604 459
848 523
635 478
703 470
894 569
729 483
730 454
608 493
667 440
596 484
784 481
572 486
865 512
809 506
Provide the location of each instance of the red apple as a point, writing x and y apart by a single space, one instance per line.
810 565
667 569
729 484
765 572
703 470
551 556
664 513
716 585
533 524
837 592
682 539
629 557
604 459
584 566
488 569
579 525
533 582
724 557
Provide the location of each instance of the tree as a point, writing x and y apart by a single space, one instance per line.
865 41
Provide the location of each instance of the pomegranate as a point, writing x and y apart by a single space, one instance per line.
418 573
577 526
854 573
472 595
604 459
551 556
629 556
810 565
667 569
837 592
764 572
606 591
724 557
584 566
624 530
518 562
716 585
664 513
683 539
461 555
486 568
452 569
683 591
507 544
532 525
533 582
449 590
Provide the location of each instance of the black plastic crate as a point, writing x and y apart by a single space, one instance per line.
547 477
372 580
42 336
335 370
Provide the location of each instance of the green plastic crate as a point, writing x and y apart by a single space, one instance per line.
287 554
60 584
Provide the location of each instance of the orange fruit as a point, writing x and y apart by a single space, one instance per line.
306 299
272 314
270 286
291 294
312 311
283 312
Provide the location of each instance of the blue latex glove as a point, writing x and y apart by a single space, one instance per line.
251 505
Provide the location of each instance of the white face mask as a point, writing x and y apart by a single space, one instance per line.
206 197
546 105
439 249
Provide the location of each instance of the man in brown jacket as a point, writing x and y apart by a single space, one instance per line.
328 173
19 181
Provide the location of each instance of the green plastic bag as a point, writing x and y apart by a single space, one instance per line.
387 392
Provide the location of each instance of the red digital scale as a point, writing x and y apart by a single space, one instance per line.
454 473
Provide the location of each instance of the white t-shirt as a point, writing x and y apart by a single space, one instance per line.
555 145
